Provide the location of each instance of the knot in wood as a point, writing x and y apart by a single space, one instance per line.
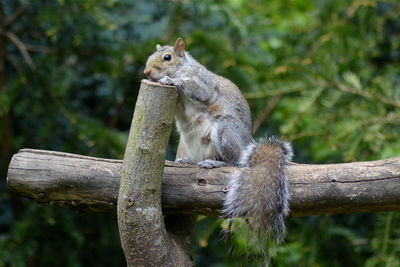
201 182
130 201
42 195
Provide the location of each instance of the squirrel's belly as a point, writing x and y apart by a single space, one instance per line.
197 138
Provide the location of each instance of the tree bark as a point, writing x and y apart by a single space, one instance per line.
144 238
87 183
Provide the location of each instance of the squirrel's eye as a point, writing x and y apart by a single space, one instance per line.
167 57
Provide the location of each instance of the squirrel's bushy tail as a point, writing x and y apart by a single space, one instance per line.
259 192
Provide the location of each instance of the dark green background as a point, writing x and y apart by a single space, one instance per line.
72 70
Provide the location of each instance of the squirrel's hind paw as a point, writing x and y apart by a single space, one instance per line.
210 163
185 160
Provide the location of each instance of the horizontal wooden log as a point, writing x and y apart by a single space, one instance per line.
91 184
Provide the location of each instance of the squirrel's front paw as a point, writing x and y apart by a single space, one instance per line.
166 81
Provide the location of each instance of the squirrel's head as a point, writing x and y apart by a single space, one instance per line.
166 61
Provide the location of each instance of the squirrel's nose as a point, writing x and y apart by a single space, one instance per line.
147 72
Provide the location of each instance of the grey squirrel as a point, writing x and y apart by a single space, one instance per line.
214 122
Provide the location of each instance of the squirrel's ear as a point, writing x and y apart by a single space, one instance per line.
180 47
158 47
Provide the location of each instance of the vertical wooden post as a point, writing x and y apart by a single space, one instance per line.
144 238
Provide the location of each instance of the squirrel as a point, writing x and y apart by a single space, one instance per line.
214 122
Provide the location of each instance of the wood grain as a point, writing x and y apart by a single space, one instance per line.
91 184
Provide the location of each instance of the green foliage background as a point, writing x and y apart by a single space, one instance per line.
329 69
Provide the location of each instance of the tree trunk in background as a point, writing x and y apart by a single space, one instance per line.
6 152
